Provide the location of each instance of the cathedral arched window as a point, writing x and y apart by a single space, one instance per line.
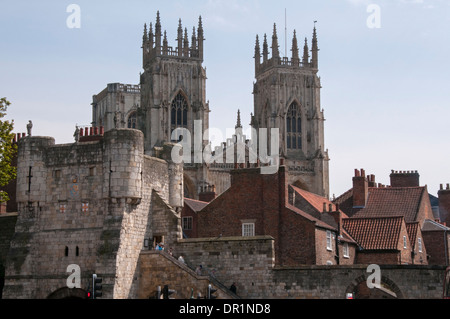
293 127
178 114
132 119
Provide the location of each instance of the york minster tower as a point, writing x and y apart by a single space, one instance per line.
172 84
287 97
172 94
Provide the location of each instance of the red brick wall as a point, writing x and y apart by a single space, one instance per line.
444 205
420 258
298 240
252 197
404 179
261 198
435 243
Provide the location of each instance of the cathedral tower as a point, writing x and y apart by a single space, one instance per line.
172 84
287 97
173 95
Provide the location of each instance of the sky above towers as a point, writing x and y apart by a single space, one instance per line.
383 65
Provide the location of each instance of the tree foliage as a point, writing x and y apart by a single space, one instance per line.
8 149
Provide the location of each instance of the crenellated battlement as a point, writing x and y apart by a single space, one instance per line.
276 61
155 44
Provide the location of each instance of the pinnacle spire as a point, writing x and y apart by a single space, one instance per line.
257 48
158 31
200 38
180 38
145 36
305 52
265 48
200 24
165 43
314 49
194 39
275 51
238 123
150 34
186 43
295 57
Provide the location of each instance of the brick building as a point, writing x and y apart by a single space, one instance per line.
258 204
404 199
384 240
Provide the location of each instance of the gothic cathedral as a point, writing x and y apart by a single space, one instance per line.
287 97
172 94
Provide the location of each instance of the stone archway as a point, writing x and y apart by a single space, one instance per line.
68 293
387 290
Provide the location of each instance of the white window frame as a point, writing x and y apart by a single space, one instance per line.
419 241
346 250
329 241
248 229
404 242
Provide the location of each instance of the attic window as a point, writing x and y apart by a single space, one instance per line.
419 240
404 242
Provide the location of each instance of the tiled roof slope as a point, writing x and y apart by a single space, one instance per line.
313 199
375 233
393 201
195 205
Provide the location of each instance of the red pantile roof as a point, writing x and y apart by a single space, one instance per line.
393 201
315 200
375 233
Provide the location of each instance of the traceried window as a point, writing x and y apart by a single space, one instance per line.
293 127
178 113
132 119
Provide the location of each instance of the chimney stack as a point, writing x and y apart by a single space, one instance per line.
360 188
404 178
207 193
444 204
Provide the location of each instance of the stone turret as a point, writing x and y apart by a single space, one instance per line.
122 164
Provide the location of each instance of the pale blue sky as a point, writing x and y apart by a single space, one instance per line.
385 91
